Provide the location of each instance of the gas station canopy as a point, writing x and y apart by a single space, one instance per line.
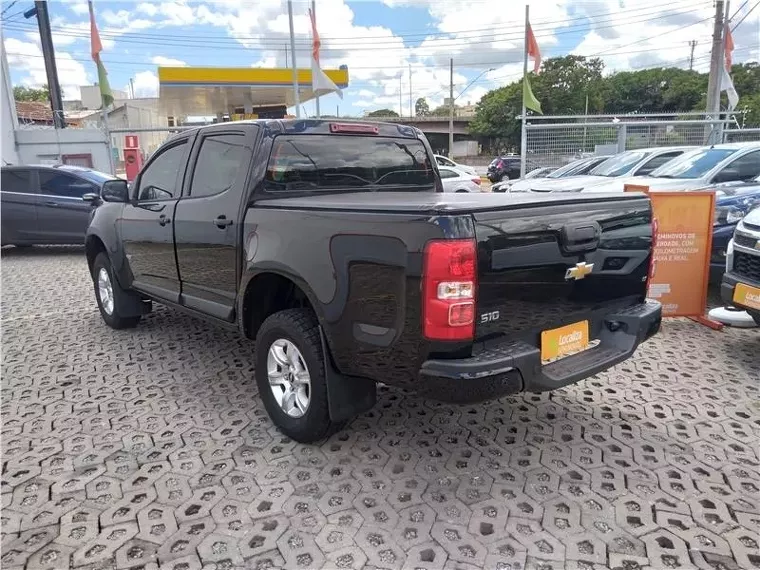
194 91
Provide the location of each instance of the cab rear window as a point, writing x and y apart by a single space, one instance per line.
334 162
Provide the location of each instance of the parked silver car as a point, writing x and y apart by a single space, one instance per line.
47 204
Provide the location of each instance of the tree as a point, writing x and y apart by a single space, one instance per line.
383 113
495 115
564 83
22 93
443 111
421 107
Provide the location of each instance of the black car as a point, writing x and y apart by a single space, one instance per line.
47 204
331 245
506 168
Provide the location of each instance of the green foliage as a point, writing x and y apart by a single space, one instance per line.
565 82
21 93
421 107
383 113
443 111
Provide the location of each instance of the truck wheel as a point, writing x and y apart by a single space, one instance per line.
290 373
107 292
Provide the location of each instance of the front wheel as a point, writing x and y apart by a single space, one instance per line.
504 178
107 293
290 373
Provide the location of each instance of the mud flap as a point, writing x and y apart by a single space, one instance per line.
347 396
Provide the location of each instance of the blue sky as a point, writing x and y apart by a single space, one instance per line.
377 40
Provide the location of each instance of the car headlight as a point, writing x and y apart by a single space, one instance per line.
727 215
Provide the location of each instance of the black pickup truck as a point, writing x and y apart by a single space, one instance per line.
331 245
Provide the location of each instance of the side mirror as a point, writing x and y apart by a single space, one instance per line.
115 191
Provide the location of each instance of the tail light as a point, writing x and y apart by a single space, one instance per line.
655 229
477 180
449 279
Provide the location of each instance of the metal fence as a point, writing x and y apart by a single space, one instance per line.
555 141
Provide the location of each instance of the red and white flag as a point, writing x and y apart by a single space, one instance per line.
320 83
533 51
726 83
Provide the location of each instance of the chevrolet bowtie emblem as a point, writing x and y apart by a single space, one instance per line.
579 271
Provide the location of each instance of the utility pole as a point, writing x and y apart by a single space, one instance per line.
716 61
400 93
523 132
48 53
314 12
692 44
296 97
411 113
451 108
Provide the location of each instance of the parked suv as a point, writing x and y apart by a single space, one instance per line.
47 204
505 168
741 282
332 245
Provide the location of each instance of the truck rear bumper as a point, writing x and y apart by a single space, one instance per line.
516 366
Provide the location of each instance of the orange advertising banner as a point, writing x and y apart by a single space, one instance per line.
681 266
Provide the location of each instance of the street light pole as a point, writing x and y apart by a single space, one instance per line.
452 99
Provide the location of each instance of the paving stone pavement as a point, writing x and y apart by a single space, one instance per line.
150 449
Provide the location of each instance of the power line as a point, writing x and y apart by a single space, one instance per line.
745 15
8 7
263 43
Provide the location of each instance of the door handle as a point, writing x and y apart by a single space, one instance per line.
163 220
222 222
52 204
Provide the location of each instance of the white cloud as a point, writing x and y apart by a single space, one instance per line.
167 61
146 84
27 58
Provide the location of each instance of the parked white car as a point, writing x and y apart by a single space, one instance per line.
446 161
455 180
628 163
700 168
575 168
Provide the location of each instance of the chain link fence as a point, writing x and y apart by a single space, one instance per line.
555 141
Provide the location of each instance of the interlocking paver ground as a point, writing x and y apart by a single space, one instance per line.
150 449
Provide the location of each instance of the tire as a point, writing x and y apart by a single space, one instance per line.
504 177
460 191
112 318
299 328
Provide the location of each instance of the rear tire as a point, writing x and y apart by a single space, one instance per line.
504 177
108 293
290 373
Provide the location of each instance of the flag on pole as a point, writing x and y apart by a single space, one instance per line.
729 47
533 51
726 83
95 48
320 83
529 100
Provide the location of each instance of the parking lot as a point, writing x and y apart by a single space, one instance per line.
149 448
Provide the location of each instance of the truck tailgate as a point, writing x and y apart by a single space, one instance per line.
541 267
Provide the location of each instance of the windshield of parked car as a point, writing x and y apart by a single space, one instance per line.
694 164
619 164
575 167
334 162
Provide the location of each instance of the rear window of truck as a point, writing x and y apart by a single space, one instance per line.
329 162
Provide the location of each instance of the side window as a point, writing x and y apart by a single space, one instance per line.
656 162
446 173
16 180
159 180
746 167
220 160
444 161
54 183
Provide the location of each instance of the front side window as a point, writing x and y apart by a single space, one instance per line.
336 162
656 162
693 164
618 165
16 180
746 167
56 183
220 160
159 179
